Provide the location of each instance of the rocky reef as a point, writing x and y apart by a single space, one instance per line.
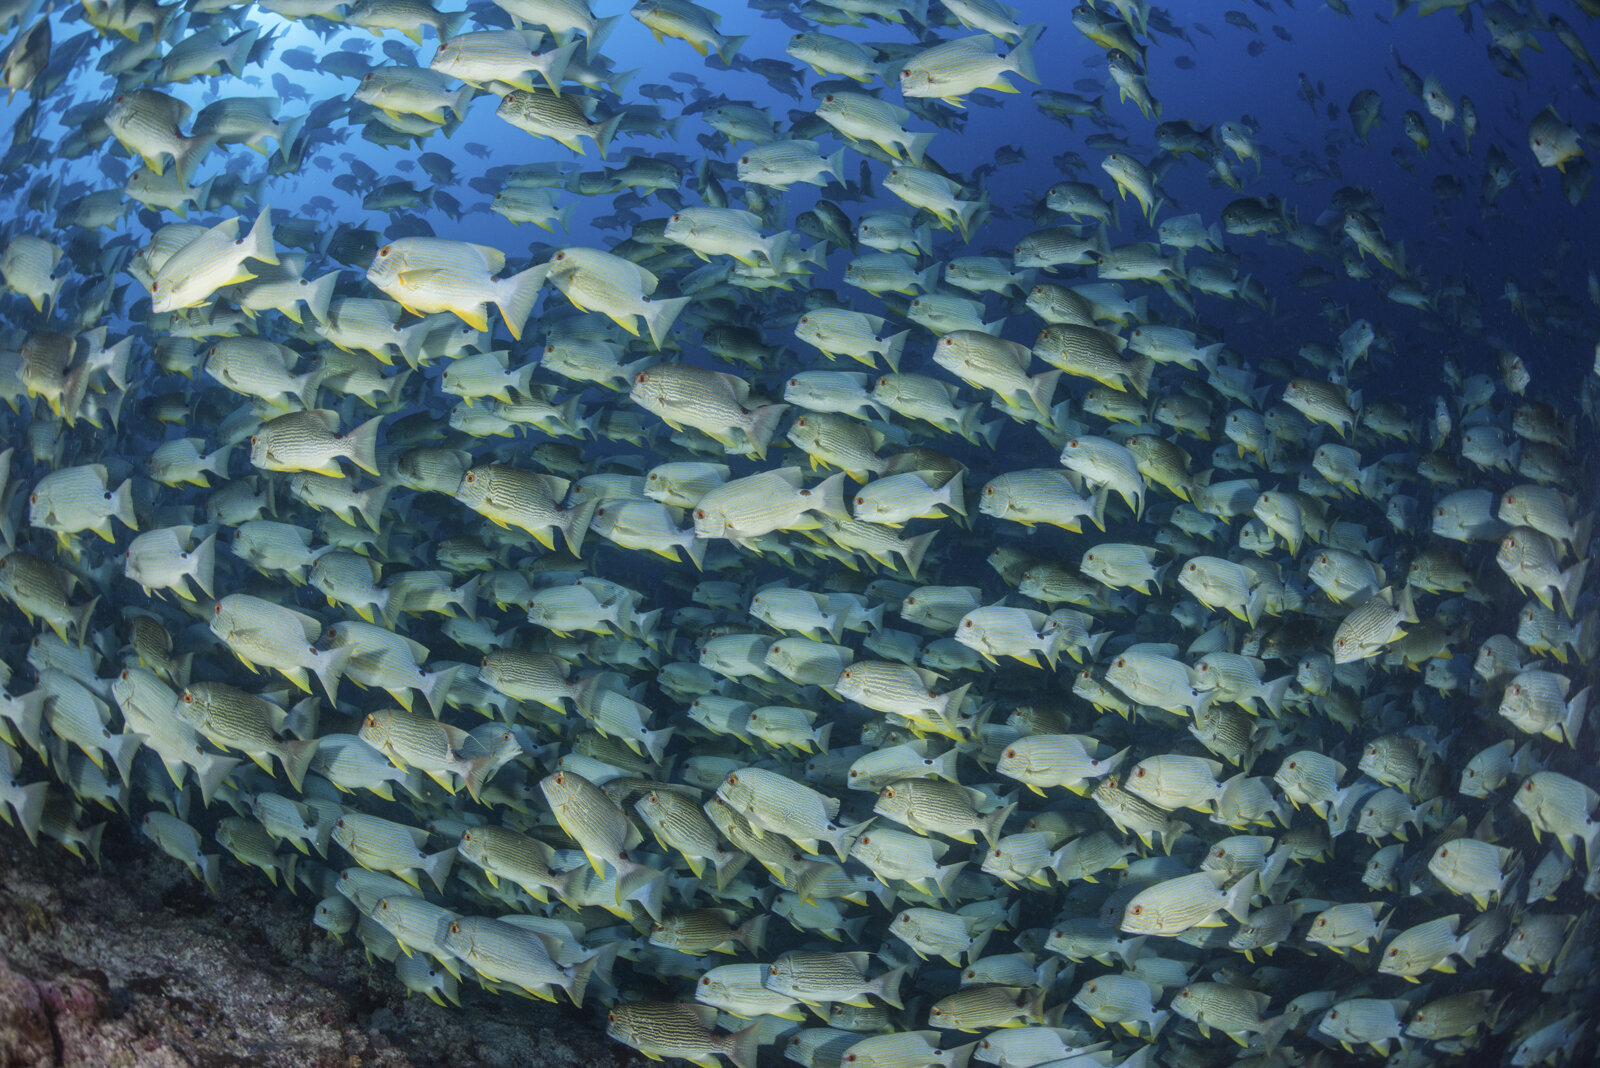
135 965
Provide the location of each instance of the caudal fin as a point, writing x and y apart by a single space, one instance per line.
258 242
660 316
296 757
361 445
203 565
763 424
574 524
515 297
1022 55
605 132
319 294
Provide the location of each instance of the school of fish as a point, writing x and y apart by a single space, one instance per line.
1060 656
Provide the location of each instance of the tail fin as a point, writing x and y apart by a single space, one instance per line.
1237 901
307 387
893 347
1042 389
967 214
695 550
597 36
1571 582
553 65
1139 371
82 617
463 97
605 132
296 757
371 506
288 133
329 666
437 687
515 297
661 315
777 246
258 242
1022 55
437 866
914 549
203 565
362 446
26 715
239 54
945 878
319 294
729 47
887 986
580 979
955 489
995 821
763 424
124 505
744 1045
574 524
827 497
209 772
479 773
466 596
28 803
189 155
1572 722
917 147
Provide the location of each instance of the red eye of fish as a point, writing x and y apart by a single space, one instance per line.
1138 910
700 513
1291 765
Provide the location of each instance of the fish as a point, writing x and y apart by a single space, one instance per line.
426 275
683 697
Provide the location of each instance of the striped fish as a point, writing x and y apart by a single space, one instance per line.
385 846
661 1029
566 119
866 118
510 954
231 718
